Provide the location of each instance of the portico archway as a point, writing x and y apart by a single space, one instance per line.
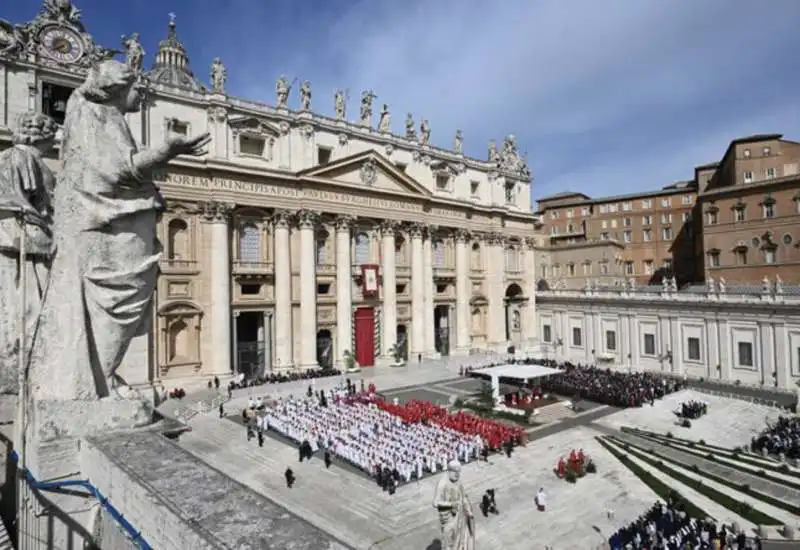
514 302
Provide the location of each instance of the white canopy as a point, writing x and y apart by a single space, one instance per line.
518 372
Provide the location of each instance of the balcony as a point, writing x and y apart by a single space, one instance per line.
242 268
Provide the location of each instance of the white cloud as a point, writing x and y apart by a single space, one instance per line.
554 71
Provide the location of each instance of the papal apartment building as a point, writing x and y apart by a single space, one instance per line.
301 236
737 220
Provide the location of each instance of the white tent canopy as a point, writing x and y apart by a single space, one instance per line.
514 372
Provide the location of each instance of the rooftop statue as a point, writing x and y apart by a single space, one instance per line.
305 95
367 96
385 122
219 76
424 132
26 188
282 90
134 52
411 130
106 263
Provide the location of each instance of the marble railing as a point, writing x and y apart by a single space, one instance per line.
650 294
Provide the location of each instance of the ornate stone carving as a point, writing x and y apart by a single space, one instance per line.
106 266
282 90
26 186
389 227
217 212
385 122
411 130
282 219
307 219
424 132
340 104
134 52
368 173
458 143
217 114
367 96
305 95
344 223
219 76
462 235
284 127
416 156
426 160
307 131
492 175
530 242
494 238
494 154
388 149
416 230
509 159
343 139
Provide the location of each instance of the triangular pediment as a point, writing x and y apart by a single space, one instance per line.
252 125
370 169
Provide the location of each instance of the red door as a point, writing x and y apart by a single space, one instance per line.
365 336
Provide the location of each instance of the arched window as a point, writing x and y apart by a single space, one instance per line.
362 249
438 254
178 240
249 244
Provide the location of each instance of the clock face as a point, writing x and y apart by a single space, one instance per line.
61 44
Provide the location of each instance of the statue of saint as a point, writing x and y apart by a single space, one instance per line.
494 155
305 95
411 130
105 267
219 76
339 104
455 511
134 52
26 188
282 89
458 143
366 107
424 132
385 122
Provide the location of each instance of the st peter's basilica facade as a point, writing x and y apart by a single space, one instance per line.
301 238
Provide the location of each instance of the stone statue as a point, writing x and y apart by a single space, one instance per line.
710 287
26 188
424 132
134 52
305 95
766 287
282 89
778 285
722 285
458 143
494 155
366 107
411 130
219 76
339 104
673 284
665 284
105 266
385 122
455 511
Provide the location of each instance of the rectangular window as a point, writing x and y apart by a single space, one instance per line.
647 220
769 256
628 222
666 203
648 267
474 187
647 235
628 268
769 211
693 349
546 333
771 173
666 218
712 218
604 236
252 146
687 199
323 155
627 206
748 177
650 345
666 233
627 236
745 354
647 203
577 337
714 257
604 224
741 256
585 211
611 340
739 215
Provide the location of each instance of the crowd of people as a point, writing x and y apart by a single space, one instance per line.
668 527
357 428
692 410
618 389
782 438
280 378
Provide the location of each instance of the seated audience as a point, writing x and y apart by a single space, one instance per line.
692 410
782 438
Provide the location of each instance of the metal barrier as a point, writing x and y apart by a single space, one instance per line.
130 530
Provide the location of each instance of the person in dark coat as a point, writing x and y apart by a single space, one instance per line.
290 479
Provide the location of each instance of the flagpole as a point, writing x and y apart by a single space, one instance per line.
22 380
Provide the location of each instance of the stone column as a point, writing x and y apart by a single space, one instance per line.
428 292
284 358
529 322
496 292
217 215
389 276
463 340
307 223
344 290
417 293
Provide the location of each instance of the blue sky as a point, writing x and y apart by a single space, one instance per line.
606 97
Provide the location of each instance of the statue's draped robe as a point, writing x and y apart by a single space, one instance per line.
26 186
456 533
106 266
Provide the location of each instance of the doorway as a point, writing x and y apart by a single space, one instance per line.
253 341
441 322
325 349
402 342
364 323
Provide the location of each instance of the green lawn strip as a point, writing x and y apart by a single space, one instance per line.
663 491
746 458
745 511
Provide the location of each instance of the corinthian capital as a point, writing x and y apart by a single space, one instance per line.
389 227
282 219
416 230
344 223
495 238
307 219
218 212
462 235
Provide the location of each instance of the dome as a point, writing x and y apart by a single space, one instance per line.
172 63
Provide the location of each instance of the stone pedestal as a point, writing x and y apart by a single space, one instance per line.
55 430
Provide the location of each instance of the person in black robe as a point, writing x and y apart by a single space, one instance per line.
328 459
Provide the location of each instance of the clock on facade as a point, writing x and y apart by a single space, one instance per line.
61 44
